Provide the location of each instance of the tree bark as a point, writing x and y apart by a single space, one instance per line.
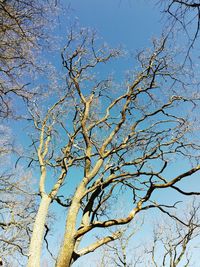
65 258
67 255
38 233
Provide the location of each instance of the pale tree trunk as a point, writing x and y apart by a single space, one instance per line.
67 256
38 233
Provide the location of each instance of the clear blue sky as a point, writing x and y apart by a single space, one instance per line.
129 23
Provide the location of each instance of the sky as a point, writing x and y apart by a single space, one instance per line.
130 24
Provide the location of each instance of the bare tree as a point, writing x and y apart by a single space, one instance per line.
170 246
172 240
17 206
118 137
22 32
184 17
117 253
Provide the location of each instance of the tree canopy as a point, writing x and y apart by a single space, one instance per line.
94 137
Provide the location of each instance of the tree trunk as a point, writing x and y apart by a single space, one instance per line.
65 258
38 233
66 255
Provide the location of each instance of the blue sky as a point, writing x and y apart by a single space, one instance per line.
128 23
